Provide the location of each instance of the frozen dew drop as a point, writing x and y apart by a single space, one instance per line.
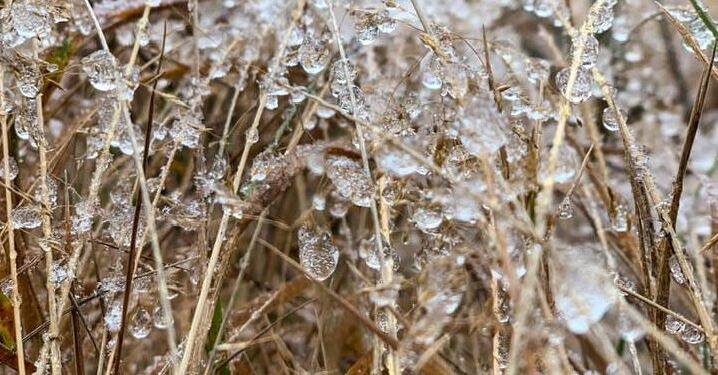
590 50
674 325
141 323
567 164
29 21
113 317
430 80
583 291
350 179
537 69
397 162
29 80
676 271
603 17
692 335
313 54
386 23
581 90
619 222
320 4
610 120
101 68
317 253
368 252
152 3
14 170
159 319
252 134
683 14
344 72
26 217
366 28
319 202
60 273
272 102
427 219
565 209
263 164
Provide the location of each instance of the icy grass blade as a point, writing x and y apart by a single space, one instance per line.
707 20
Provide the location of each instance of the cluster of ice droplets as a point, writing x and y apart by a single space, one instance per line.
317 253
27 21
368 25
350 97
687 332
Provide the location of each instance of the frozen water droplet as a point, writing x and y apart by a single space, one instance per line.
676 270
317 254
386 23
29 21
321 4
397 162
27 217
141 323
60 273
590 51
430 80
313 54
692 335
683 14
350 179
537 69
619 221
13 169
610 120
603 17
583 291
427 219
29 80
263 164
567 164
366 28
319 202
252 135
581 87
101 69
673 325
113 317
368 252
565 209
158 318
